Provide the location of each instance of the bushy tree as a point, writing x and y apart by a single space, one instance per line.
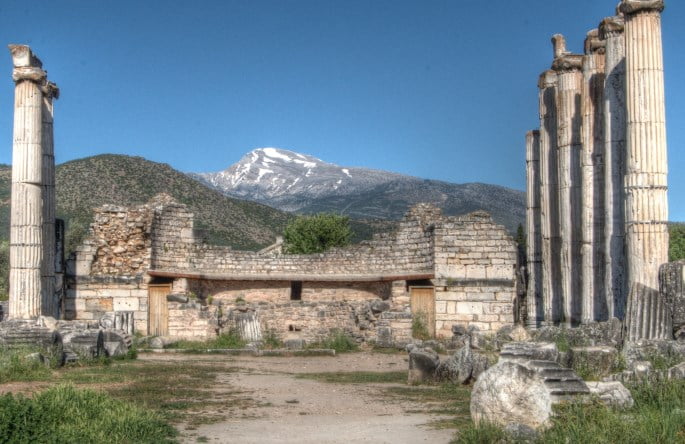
316 233
676 248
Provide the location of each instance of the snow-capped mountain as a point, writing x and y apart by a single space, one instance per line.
297 182
266 174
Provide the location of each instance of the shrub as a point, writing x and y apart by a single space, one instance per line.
66 414
316 234
337 340
419 326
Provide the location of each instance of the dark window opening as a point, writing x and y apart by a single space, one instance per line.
296 291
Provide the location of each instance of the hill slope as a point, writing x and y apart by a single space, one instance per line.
84 184
297 182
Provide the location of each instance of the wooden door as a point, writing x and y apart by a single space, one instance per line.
158 317
423 305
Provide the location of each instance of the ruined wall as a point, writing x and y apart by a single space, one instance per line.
409 250
192 321
475 274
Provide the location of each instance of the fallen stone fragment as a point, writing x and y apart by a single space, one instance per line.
613 393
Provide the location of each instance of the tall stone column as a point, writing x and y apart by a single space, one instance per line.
549 199
569 87
592 258
611 30
26 218
646 166
533 233
49 301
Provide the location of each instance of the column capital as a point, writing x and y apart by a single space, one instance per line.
611 26
26 65
594 44
50 90
568 63
629 7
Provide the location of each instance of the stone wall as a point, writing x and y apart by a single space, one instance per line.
470 260
475 274
91 297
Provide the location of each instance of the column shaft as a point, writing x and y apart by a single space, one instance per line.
26 218
611 30
593 303
533 230
570 80
549 198
49 304
646 166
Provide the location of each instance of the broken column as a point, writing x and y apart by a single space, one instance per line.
569 86
593 304
549 198
533 233
611 31
26 219
646 168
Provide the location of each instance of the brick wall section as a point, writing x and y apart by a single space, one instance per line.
192 321
475 274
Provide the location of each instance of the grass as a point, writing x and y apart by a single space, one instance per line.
658 416
337 340
66 414
229 340
15 365
358 377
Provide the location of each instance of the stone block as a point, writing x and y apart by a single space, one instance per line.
440 306
469 307
126 304
98 304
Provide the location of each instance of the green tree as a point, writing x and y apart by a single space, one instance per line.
316 233
676 249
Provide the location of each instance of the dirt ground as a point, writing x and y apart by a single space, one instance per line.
289 409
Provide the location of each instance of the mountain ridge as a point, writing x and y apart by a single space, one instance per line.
297 182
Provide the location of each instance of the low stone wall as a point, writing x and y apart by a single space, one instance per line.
192 321
90 298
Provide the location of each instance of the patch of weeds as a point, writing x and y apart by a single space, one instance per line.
337 340
66 414
664 361
229 340
443 399
357 377
17 365
419 326
271 340
562 342
483 433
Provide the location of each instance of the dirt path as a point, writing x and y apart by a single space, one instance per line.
295 410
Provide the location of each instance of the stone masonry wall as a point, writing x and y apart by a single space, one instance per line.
475 274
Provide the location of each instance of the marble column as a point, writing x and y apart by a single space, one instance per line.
26 218
49 302
533 233
646 167
549 198
569 87
592 169
611 30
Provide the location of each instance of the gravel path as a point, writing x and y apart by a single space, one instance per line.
295 410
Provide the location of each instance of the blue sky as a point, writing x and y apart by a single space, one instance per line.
436 89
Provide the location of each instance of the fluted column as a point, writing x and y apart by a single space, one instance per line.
592 246
49 302
533 233
611 30
26 218
569 86
549 198
646 166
